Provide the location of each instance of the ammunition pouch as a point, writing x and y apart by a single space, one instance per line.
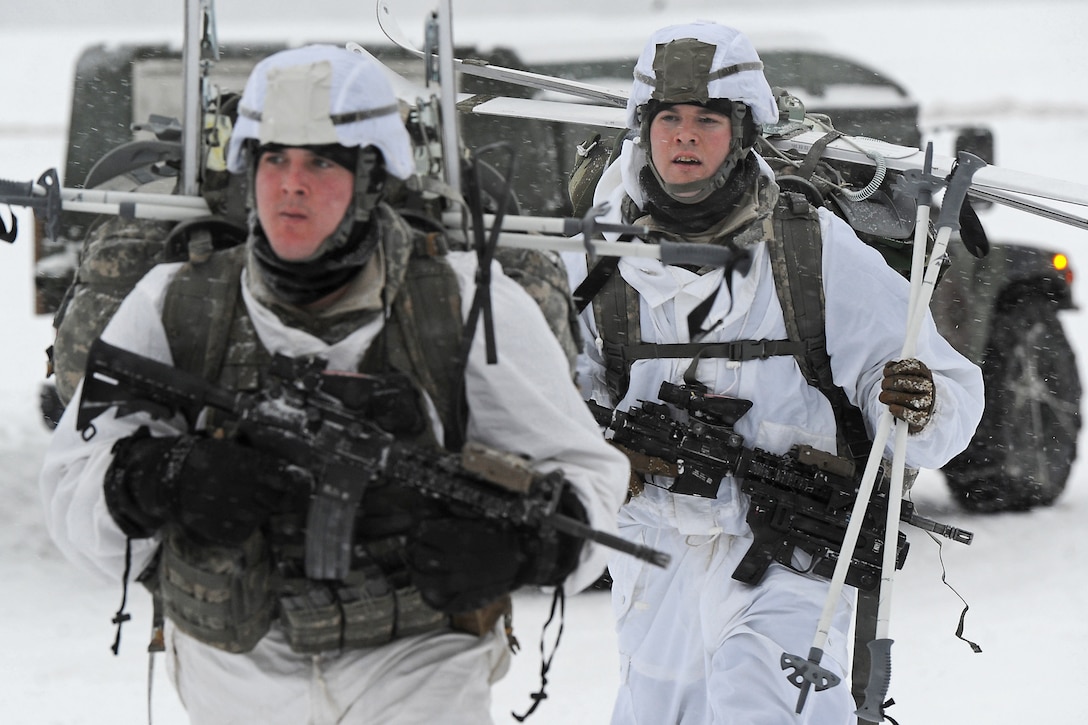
219 595
228 597
368 613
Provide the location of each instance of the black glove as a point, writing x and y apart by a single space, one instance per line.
217 490
461 563
909 393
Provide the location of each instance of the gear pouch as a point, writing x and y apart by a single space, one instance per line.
219 595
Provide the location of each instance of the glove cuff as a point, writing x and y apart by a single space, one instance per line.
551 559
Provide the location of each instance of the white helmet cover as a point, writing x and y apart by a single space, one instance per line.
730 74
322 94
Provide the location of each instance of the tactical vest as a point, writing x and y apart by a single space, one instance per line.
229 596
796 253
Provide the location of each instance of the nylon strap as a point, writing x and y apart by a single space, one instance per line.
594 281
739 350
796 250
199 308
423 339
815 154
616 309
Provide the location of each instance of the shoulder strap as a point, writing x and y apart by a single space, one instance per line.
199 308
422 336
616 309
796 251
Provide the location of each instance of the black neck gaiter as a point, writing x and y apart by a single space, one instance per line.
302 283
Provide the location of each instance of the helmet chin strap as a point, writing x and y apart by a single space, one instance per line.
693 192
366 195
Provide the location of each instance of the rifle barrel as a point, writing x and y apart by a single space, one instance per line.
950 532
576 528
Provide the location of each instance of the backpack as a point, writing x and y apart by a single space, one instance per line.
117 252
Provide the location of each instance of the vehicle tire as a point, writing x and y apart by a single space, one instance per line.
1025 446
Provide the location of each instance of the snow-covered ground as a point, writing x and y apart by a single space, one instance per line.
1012 65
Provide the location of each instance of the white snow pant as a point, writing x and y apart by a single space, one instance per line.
700 648
439 677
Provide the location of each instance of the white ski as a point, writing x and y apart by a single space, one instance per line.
392 30
993 183
900 158
1016 189
529 108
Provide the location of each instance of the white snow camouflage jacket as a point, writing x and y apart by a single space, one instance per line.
525 403
866 306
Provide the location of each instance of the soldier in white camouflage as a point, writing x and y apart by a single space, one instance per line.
416 631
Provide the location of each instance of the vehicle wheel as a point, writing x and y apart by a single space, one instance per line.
1024 448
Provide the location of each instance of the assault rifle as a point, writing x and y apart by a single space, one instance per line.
800 500
342 428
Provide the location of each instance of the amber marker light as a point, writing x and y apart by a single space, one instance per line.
1061 264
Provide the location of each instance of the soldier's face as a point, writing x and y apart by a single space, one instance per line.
689 143
301 198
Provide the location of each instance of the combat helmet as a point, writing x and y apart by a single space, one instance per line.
705 64
340 103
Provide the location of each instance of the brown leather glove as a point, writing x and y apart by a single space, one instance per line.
909 393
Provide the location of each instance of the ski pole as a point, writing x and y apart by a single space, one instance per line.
43 196
807 672
47 196
451 138
879 675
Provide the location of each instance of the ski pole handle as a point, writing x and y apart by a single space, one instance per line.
18 190
958 186
43 197
880 675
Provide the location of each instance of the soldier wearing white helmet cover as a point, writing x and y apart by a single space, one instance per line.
415 631
697 646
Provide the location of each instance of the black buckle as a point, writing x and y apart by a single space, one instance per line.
752 349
